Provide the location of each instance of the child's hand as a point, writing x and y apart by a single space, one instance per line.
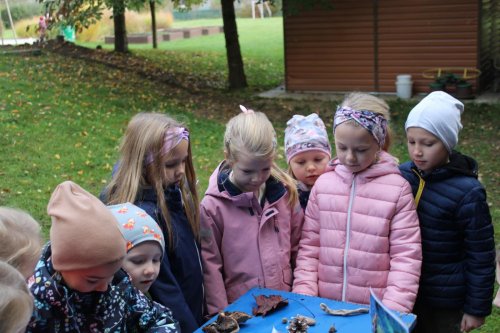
470 322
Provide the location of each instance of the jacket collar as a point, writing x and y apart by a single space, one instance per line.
459 164
386 164
172 194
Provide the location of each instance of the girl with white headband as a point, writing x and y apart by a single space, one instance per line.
361 228
250 215
155 172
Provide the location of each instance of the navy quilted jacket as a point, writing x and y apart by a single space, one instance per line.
179 285
458 248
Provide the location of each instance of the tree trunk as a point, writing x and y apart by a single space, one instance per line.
121 43
237 79
153 23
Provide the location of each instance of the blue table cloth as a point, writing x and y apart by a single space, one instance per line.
305 306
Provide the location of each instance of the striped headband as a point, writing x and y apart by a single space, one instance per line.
373 122
173 137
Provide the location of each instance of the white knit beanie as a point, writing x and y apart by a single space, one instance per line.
439 113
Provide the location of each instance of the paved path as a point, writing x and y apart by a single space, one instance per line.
18 41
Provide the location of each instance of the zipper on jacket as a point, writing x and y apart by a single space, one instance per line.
203 283
348 235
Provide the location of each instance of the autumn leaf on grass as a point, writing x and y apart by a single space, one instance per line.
266 304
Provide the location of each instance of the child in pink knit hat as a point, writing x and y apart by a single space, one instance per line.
307 152
78 285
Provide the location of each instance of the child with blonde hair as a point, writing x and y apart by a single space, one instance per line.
145 244
21 240
250 215
16 302
458 246
78 284
155 172
361 228
307 151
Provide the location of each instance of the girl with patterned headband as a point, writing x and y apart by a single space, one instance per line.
155 172
361 228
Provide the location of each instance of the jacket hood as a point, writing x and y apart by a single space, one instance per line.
385 165
462 164
459 164
220 186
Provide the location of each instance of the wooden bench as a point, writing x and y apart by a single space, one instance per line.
464 73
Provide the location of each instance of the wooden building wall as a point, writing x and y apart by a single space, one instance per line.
489 40
363 45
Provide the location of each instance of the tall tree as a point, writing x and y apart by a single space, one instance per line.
121 42
153 24
237 78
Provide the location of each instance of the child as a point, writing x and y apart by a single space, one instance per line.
16 303
361 228
145 244
496 301
250 215
307 152
458 269
21 240
79 286
156 173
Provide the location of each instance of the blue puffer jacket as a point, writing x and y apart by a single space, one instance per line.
179 285
458 247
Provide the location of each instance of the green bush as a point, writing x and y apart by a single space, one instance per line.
19 12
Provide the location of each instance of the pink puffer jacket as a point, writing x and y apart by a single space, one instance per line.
360 231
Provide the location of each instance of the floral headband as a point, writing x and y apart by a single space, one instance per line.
373 122
172 138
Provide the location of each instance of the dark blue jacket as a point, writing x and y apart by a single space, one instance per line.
458 248
179 285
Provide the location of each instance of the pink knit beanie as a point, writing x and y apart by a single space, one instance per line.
84 233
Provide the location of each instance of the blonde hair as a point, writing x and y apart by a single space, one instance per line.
145 135
364 101
253 134
16 302
20 237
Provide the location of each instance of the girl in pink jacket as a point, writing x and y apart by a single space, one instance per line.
250 216
361 228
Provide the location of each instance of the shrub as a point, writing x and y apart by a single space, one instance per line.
98 30
19 12
135 23
27 28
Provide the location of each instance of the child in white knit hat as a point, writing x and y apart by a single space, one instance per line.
458 249
307 151
145 244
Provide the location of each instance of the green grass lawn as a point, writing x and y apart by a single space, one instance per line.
62 118
261 43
